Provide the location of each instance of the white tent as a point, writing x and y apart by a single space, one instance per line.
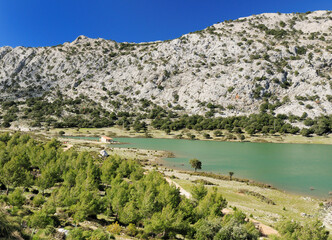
103 153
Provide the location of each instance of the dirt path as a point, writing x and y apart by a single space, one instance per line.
182 190
264 229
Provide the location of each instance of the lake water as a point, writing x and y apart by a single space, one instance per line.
291 167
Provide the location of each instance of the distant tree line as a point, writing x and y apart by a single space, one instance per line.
83 112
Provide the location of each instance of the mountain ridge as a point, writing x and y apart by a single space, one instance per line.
228 69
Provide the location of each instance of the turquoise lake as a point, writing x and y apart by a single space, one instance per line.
290 167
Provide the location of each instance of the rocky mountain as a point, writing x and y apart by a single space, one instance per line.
232 67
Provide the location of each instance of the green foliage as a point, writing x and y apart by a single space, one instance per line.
211 205
277 33
167 222
282 24
258 195
242 137
99 234
108 171
129 214
78 234
329 98
230 89
40 219
231 227
61 133
308 106
310 231
195 164
131 230
230 175
16 198
206 136
14 162
217 133
234 227
38 200
199 191
43 112
139 126
301 50
88 203
207 228
6 226
255 123
114 228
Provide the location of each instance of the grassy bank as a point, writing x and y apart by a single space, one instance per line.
248 198
199 135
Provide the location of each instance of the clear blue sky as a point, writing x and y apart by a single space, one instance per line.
52 22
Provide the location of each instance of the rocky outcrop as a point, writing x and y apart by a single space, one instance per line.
235 66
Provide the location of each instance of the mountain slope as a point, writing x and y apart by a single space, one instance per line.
231 67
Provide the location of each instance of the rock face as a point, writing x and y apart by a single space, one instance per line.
327 213
235 65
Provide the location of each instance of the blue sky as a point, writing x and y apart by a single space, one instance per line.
51 22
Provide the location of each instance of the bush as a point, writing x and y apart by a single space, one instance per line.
131 230
294 230
40 219
38 200
78 234
206 136
301 50
230 89
217 133
230 227
199 192
61 133
207 228
6 227
99 235
305 132
308 106
49 230
257 195
16 198
114 228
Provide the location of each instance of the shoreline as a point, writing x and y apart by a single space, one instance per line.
120 132
249 182
220 140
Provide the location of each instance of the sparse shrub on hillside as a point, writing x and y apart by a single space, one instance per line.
230 89
308 106
294 230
